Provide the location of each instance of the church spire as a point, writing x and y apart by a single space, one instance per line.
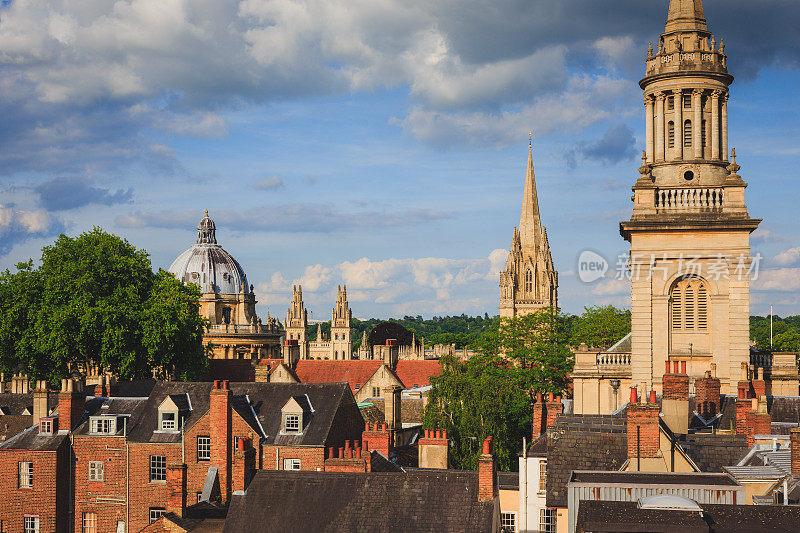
529 221
685 15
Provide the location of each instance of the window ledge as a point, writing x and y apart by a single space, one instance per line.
158 482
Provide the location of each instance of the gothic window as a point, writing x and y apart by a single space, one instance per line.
671 134
687 134
689 305
528 281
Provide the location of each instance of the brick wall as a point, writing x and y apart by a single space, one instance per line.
378 438
795 443
220 424
707 396
145 494
311 457
646 417
742 406
486 473
676 386
538 417
107 498
48 498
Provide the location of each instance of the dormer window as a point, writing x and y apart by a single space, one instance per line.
104 425
168 420
46 426
292 423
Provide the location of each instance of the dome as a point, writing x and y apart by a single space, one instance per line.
207 265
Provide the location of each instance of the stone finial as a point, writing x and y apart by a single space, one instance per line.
733 168
650 50
722 46
713 44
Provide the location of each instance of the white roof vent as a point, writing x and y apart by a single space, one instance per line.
669 502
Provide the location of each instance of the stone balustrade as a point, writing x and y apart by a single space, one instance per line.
614 359
686 199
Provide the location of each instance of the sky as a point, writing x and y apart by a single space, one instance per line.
377 143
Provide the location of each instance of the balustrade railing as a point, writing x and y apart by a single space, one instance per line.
614 359
701 198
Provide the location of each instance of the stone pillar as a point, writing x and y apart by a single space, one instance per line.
715 125
725 126
660 127
697 126
678 98
649 140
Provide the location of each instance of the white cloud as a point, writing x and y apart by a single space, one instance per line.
269 183
788 257
612 287
779 279
17 225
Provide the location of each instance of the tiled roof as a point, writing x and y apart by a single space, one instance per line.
713 452
418 500
756 472
322 371
415 374
31 439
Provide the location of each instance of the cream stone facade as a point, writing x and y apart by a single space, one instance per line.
340 344
529 281
690 263
227 302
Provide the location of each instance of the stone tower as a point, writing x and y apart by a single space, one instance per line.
690 230
341 332
529 281
297 321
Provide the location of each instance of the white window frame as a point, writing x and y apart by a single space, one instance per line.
295 426
158 468
103 425
165 424
31 524
547 520
508 522
542 476
96 471
46 426
203 448
25 477
291 464
155 513
89 522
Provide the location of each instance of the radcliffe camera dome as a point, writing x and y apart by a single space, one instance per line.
207 265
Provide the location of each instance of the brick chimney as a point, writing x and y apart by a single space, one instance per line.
176 485
538 416
391 395
554 408
348 459
744 383
486 474
433 449
760 422
759 385
742 407
220 422
40 400
707 394
795 445
71 405
244 463
378 438
675 400
644 440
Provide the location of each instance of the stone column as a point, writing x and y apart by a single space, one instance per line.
715 125
725 127
649 141
697 127
660 127
678 124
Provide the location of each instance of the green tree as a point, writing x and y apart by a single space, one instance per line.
601 327
96 301
492 393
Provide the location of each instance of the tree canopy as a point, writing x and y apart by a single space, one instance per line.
601 327
492 393
95 300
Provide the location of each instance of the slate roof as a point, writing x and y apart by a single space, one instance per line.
322 371
603 516
12 407
713 452
31 439
538 448
782 409
653 478
420 500
583 442
415 374
508 480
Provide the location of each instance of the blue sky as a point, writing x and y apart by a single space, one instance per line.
377 143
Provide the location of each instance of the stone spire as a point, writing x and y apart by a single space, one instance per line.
686 15
529 221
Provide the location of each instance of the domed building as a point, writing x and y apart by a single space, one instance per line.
227 301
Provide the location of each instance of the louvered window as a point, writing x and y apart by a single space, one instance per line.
677 309
671 134
689 300
687 134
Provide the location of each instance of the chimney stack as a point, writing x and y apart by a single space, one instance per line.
350 459
759 385
433 449
538 416
707 394
176 484
675 400
40 401
644 441
220 422
760 422
244 463
795 444
71 405
554 408
486 473
391 400
379 439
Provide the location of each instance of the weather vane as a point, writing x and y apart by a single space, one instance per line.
530 138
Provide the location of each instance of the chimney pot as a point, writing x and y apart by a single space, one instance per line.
538 397
550 397
383 427
653 396
713 370
366 427
487 446
683 367
444 434
226 385
667 368
216 383
634 396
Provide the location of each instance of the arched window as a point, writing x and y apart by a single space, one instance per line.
689 305
528 281
687 134
671 134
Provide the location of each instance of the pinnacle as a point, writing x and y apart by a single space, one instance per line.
686 15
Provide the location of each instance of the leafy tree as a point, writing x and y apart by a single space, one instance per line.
492 393
601 327
96 301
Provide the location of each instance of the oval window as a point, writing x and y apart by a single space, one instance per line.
688 175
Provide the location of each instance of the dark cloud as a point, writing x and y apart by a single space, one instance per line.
61 194
295 218
617 144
